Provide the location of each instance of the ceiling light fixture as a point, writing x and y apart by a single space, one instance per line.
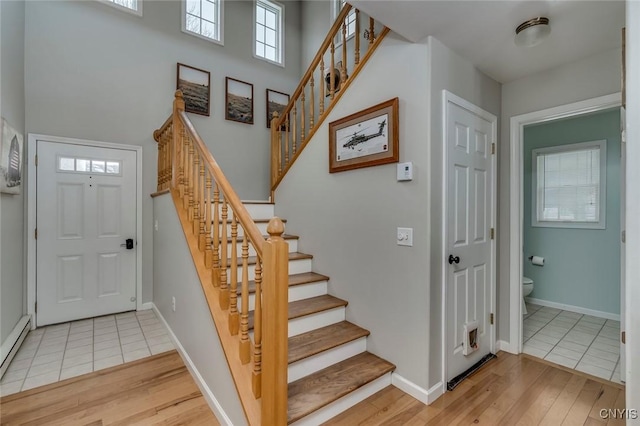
532 32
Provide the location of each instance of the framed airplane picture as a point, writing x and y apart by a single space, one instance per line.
366 138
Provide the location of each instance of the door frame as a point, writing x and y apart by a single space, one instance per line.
448 97
31 197
516 199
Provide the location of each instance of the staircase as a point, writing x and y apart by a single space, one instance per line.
292 355
329 367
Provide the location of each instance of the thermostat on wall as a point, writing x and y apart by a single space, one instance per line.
405 171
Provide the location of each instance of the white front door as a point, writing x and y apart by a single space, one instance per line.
469 247
86 211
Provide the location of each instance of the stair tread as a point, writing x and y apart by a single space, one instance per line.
316 341
321 388
252 259
301 308
294 280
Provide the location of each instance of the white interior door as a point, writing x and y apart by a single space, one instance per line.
86 211
469 248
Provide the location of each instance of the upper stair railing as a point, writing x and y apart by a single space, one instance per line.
216 225
312 102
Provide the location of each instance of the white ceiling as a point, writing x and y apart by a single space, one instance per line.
482 31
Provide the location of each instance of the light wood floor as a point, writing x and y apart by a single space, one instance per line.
152 391
510 390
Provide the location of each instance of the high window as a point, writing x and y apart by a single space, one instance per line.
132 6
349 21
203 18
569 184
269 31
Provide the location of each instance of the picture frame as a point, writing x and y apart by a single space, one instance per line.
238 101
11 159
195 85
366 138
276 101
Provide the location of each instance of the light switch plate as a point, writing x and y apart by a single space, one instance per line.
405 237
405 171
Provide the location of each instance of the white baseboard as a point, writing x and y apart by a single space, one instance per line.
421 394
12 343
435 392
146 306
577 309
206 392
407 386
503 345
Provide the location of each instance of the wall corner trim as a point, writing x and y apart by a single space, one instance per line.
503 345
215 406
423 395
146 306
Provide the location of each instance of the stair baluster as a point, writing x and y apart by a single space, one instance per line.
234 318
202 211
257 334
245 345
224 288
215 275
208 253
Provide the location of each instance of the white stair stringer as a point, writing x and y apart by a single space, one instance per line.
317 362
298 292
342 404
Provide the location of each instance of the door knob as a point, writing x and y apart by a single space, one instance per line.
453 260
128 244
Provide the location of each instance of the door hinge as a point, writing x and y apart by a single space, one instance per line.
491 318
624 236
36 160
623 337
493 148
492 233
36 307
36 233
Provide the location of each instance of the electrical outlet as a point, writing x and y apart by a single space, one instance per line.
405 237
173 304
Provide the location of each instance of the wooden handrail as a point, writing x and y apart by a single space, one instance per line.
301 121
243 216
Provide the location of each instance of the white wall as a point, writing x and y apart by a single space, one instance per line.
316 19
451 72
12 285
94 72
591 77
348 220
176 276
633 207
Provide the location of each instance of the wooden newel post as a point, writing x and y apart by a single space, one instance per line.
275 325
176 149
275 151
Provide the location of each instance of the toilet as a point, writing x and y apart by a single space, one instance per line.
527 288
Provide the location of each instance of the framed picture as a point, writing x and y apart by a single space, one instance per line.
196 88
366 138
276 101
239 101
11 152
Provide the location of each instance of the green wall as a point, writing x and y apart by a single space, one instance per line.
582 266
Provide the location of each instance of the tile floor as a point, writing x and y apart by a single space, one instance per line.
581 342
57 352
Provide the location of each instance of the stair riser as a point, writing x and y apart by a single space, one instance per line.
328 412
256 211
293 247
297 292
311 322
295 267
317 320
310 365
